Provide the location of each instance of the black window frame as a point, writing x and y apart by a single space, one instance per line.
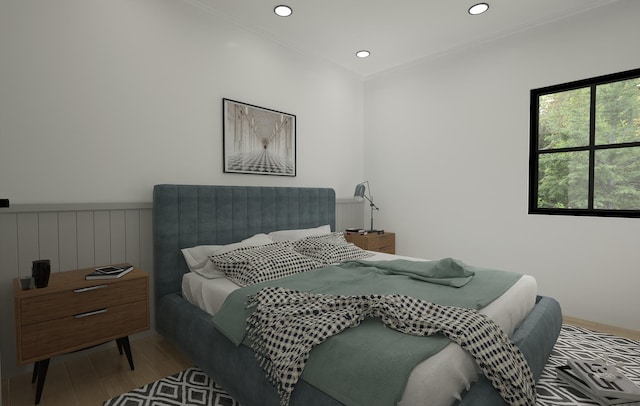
535 152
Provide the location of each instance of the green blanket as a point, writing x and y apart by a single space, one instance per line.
447 271
370 364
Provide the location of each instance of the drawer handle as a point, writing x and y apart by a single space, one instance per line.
87 314
89 288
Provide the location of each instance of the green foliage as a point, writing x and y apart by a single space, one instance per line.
564 122
564 119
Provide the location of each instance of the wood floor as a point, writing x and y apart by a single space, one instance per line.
91 377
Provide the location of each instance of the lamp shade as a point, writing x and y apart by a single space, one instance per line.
359 193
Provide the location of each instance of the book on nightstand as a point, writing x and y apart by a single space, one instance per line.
109 272
355 231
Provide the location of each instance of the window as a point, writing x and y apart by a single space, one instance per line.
585 147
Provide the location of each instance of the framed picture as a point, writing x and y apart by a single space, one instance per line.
258 140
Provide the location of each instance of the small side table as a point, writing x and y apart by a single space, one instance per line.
72 314
384 242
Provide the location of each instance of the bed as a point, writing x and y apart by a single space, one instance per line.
192 215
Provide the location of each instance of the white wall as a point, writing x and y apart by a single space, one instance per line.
446 148
102 99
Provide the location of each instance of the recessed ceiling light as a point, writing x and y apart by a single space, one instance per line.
478 9
282 10
363 54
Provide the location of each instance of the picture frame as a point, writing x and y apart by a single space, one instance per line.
258 140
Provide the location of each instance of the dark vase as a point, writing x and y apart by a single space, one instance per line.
40 270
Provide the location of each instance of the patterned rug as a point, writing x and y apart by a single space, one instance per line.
194 387
579 343
189 387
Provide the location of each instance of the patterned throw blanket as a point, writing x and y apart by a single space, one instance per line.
287 324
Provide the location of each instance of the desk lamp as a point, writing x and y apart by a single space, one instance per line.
360 193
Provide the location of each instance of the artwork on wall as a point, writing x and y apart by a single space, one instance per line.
257 140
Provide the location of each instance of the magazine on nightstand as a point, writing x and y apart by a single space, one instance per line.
109 272
355 231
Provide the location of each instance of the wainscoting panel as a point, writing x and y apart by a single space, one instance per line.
85 242
84 236
349 214
68 239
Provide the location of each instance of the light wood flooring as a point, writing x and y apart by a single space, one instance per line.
89 378
603 328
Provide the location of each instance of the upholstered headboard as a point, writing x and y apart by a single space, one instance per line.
191 215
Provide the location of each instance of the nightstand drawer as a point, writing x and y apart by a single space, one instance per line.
70 302
374 242
386 248
381 244
75 332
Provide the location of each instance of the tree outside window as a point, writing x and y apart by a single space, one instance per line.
585 147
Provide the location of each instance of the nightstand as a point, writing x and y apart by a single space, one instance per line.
385 242
72 314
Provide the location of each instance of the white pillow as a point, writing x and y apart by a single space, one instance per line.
253 241
209 271
197 258
293 235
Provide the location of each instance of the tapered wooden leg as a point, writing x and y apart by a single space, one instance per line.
40 370
34 375
123 343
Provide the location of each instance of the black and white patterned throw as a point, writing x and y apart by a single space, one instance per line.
287 324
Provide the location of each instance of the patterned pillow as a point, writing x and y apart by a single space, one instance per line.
246 266
329 249
197 258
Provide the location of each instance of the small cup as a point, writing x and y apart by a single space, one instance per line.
40 270
26 282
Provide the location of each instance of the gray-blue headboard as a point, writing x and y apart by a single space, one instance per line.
190 215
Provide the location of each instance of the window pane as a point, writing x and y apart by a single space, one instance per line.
617 179
564 119
563 180
618 112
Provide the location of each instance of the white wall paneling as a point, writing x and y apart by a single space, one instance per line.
349 214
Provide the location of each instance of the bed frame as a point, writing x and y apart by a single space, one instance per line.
191 215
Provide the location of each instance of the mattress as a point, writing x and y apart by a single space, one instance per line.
438 380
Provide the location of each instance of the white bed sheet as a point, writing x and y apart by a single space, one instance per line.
439 380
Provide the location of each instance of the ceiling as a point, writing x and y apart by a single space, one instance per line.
395 32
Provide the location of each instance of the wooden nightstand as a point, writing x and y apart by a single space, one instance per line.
72 313
385 242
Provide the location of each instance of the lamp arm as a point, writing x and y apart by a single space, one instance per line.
373 206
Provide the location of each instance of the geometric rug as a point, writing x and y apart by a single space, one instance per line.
190 387
194 387
580 343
